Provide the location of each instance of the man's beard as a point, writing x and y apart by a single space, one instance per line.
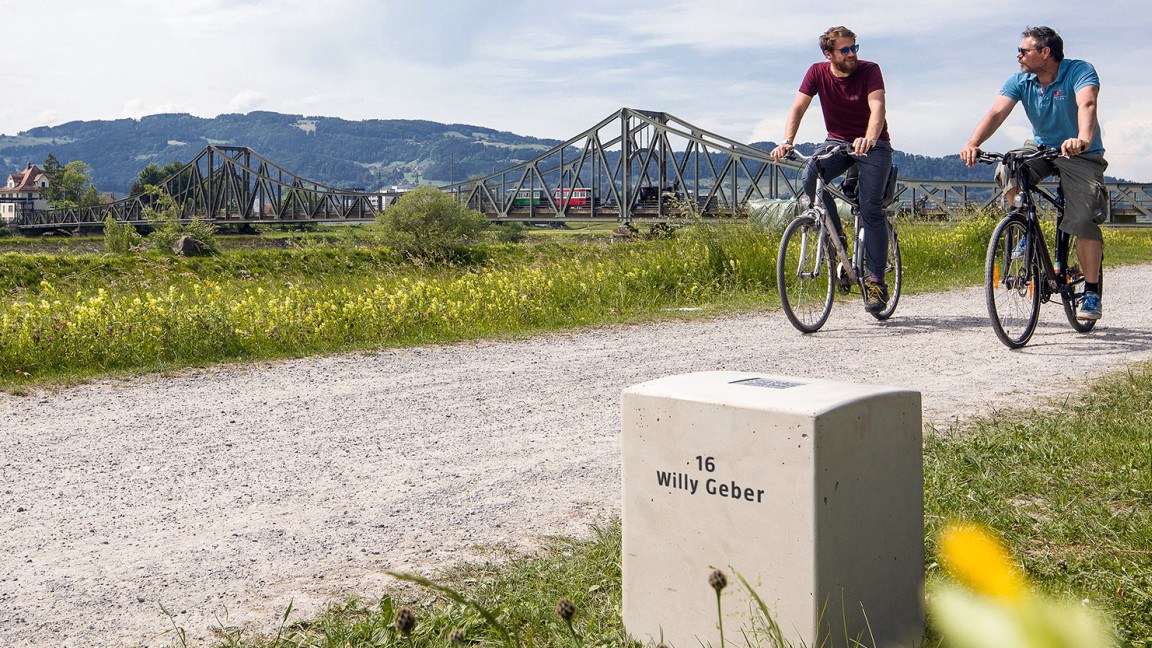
847 66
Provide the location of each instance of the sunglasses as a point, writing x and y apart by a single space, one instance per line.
853 49
1024 50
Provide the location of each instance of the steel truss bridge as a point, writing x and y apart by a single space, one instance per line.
226 185
638 165
633 166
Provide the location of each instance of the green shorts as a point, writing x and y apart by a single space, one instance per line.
1082 181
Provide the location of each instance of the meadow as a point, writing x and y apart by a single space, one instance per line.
75 316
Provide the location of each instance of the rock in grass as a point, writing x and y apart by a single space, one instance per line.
188 246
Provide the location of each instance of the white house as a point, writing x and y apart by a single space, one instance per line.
24 191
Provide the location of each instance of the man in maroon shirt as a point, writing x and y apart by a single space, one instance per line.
851 95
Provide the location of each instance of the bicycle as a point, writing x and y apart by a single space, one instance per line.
813 264
1019 272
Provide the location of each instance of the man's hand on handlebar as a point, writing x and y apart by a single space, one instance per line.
861 145
1073 146
969 154
780 152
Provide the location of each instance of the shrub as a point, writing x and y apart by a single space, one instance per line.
164 218
512 232
120 238
427 223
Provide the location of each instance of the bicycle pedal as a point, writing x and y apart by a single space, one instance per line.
842 281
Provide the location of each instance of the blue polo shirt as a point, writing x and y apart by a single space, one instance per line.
1053 110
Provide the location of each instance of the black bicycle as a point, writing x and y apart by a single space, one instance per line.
813 264
1019 272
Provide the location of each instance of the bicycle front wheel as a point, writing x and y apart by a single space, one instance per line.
1010 276
804 275
893 274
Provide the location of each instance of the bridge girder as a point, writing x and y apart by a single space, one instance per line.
633 164
227 185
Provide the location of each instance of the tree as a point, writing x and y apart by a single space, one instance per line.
153 175
149 175
72 186
54 171
163 215
120 238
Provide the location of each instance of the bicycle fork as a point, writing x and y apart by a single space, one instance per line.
1039 271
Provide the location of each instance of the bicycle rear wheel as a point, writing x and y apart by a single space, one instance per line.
804 274
1010 288
893 274
1072 299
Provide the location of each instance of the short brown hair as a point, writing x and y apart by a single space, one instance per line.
828 40
1046 37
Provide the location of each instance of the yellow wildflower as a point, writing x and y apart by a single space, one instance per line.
980 561
991 606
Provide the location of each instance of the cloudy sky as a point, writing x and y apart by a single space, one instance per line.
553 69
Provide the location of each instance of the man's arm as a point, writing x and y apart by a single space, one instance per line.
1085 120
1001 108
876 115
792 126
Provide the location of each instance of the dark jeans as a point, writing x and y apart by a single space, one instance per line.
873 169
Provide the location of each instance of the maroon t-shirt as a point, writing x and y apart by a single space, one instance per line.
844 101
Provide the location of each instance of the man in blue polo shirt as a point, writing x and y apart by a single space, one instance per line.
1059 97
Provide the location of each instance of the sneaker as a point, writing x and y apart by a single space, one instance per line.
1020 249
1089 307
875 296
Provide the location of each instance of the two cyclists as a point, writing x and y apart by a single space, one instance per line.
1059 97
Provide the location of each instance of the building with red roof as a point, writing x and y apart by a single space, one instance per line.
23 192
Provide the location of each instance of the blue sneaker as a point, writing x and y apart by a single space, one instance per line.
1089 307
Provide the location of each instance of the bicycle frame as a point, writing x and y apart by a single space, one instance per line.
850 264
1051 268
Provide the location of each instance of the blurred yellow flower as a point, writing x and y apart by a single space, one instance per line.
990 605
980 561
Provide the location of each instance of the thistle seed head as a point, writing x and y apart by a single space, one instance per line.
405 620
717 580
565 609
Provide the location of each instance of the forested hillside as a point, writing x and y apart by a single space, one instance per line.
369 155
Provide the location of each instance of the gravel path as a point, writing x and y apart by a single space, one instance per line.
223 494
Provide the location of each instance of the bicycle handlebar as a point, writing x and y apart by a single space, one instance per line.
836 149
1041 153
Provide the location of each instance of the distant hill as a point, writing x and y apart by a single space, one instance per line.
347 154
369 155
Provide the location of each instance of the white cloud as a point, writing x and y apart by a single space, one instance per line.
552 70
247 101
136 108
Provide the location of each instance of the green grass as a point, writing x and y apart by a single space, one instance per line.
1068 486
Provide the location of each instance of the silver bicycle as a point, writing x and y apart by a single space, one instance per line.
813 264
